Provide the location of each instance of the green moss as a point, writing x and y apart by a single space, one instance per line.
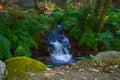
21 67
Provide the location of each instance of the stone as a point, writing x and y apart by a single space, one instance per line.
81 70
61 73
107 58
3 71
20 68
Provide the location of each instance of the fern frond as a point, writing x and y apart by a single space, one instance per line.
4 48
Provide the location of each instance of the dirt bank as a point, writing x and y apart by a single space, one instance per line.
82 70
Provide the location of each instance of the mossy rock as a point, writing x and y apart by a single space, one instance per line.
107 58
19 68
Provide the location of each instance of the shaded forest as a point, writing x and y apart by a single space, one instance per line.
92 27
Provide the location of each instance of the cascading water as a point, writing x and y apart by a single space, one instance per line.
59 46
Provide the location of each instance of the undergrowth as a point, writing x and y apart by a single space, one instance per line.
24 30
21 29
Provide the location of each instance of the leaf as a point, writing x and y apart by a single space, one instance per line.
23 50
91 56
58 15
49 66
106 39
1 7
4 48
118 32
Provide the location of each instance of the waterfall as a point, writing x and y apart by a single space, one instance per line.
58 46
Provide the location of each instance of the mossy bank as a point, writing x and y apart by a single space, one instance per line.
23 67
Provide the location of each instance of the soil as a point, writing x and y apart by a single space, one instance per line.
81 70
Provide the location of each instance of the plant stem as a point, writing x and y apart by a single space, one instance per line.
103 14
35 3
97 12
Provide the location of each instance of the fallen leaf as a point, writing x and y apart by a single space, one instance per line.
1 7
95 70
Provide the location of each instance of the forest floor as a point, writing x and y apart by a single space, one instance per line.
81 70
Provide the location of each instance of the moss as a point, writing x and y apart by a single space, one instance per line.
21 67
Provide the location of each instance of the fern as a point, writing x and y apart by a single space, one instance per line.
116 44
112 20
19 27
106 39
4 48
23 50
118 32
58 15
88 38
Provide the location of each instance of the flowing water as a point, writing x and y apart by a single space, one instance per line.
58 46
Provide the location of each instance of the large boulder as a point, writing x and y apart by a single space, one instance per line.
22 68
108 57
3 71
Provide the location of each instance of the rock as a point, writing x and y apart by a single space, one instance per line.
81 70
107 58
3 71
20 68
67 67
61 73
48 69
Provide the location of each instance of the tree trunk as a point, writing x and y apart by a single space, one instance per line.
103 14
97 11
35 3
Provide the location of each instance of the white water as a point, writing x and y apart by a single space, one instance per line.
60 54
59 46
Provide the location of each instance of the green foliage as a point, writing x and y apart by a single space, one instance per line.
23 50
58 16
22 67
118 32
4 48
89 38
99 41
25 29
106 39
116 45
49 66
86 58
21 28
81 24
112 20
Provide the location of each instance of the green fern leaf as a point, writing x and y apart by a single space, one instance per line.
23 50
4 48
